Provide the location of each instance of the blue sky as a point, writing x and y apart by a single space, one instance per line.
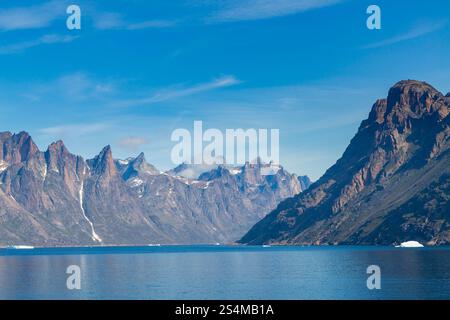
139 69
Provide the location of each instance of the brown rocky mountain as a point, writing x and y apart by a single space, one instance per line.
391 184
55 198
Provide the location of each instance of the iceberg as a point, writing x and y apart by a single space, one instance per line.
20 247
410 244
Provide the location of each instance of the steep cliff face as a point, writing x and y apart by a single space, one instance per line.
38 193
380 190
57 198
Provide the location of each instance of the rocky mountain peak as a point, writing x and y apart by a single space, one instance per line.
411 97
136 166
402 129
397 153
412 109
104 163
57 147
17 148
59 159
140 159
26 144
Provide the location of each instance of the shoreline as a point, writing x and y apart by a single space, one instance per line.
209 245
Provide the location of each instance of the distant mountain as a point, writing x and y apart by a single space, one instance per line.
391 185
55 198
305 182
190 171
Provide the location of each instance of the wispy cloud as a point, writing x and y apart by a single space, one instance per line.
183 91
116 21
73 87
44 40
415 32
73 129
239 10
133 143
32 17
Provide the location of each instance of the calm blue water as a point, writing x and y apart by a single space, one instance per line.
218 272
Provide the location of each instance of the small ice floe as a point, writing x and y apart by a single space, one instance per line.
21 247
410 244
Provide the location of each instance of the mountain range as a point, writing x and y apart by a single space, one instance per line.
392 183
56 198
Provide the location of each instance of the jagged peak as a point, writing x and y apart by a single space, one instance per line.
57 146
106 152
21 146
58 143
103 162
140 158
22 135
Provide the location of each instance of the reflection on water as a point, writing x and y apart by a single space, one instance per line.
211 272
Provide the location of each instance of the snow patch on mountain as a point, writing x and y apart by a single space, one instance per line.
3 165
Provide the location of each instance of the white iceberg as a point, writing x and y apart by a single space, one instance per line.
410 244
21 247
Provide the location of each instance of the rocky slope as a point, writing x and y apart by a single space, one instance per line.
55 198
391 184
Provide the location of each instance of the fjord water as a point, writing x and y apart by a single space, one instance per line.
226 272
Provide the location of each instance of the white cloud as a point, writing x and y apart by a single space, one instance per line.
175 93
73 87
24 45
73 129
239 10
133 143
32 17
415 32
